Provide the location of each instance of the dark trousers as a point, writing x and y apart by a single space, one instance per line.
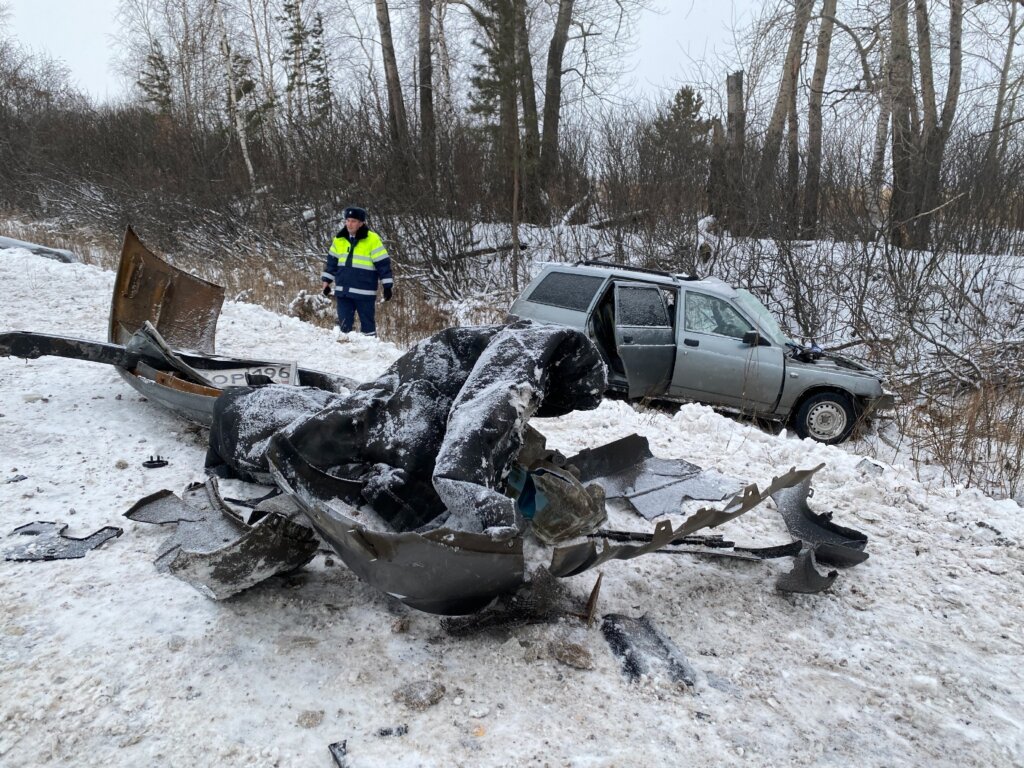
347 309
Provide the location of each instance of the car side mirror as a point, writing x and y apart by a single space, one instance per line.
754 339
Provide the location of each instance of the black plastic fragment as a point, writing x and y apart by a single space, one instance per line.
155 461
339 751
398 730
768 553
15 479
644 650
833 544
49 542
804 578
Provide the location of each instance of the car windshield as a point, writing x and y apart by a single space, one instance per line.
764 319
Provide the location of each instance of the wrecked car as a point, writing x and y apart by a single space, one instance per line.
429 480
672 337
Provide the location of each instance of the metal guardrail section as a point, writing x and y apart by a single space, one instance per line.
182 307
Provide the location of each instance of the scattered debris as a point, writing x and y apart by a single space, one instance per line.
15 479
574 559
153 462
645 651
49 542
628 471
869 467
156 310
420 694
339 751
214 549
398 730
833 544
804 577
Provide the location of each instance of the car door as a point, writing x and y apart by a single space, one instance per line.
644 338
714 365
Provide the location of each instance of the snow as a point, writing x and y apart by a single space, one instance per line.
914 657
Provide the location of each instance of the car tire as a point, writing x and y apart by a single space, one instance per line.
827 417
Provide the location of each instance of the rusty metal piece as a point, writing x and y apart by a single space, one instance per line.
182 307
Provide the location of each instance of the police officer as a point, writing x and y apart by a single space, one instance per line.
356 262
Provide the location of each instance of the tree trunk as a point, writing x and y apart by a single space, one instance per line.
397 121
904 141
813 182
236 113
528 157
428 130
993 155
736 142
919 150
792 193
787 88
553 93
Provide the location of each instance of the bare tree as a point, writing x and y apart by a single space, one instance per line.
397 120
231 73
428 129
553 90
814 121
1003 111
784 102
920 131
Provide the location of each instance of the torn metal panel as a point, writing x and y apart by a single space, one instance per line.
216 551
833 544
48 542
182 307
804 578
577 558
645 651
439 571
650 486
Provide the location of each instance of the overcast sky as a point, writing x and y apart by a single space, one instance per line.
81 32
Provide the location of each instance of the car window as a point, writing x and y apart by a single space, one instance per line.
568 290
641 305
710 314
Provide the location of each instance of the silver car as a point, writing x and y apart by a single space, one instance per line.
670 337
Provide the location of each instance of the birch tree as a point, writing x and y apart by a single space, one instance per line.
920 130
397 121
814 120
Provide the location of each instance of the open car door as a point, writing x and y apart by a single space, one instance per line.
644 338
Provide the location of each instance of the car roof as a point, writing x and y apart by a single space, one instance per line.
623 271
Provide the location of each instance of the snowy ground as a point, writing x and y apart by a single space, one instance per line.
915 657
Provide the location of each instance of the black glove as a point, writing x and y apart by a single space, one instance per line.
327 289
387 291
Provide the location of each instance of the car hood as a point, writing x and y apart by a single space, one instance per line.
839 363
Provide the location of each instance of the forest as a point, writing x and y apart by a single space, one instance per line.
857 164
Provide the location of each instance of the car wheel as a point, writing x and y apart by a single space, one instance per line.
827 417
